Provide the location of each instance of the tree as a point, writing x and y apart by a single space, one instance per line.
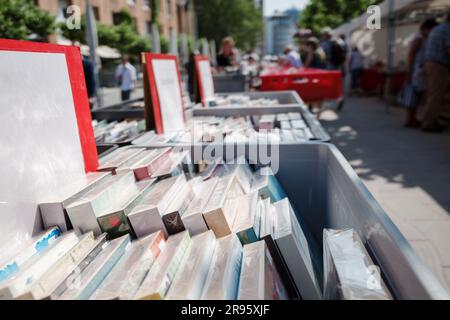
123 36
239 19
20 19
332 13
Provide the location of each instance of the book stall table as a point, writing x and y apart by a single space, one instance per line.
57 175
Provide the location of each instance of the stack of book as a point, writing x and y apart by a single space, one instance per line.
117 132
239 100
229 232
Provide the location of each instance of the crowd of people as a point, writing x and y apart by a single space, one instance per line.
428 77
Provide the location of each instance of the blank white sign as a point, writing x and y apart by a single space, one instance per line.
169 93
206 80
40 145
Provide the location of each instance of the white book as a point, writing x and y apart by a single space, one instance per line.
247 218
172 165
172 216
84 211
52 208
163 271
259 279
145 164
91 277
294 248
13 262
118 157
216 215
57 273
127 275
190 279
36 267
193 217
349 272
146 217
223 276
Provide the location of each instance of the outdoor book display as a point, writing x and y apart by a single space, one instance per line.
166 223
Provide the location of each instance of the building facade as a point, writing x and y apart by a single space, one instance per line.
279 31
176 15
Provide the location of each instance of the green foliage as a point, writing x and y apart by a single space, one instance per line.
19 19
123 36
74 35
332 13
239 19
164 44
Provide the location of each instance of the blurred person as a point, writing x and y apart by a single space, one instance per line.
126 77
291 57
227 56
436 75
335 50
416 61
356 67
89 77
314 56
336 55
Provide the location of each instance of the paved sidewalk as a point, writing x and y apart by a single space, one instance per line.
406 170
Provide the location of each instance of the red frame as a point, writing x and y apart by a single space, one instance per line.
149 57
198 59
79 92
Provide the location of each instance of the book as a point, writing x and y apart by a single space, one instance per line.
350 273
172 216
190 278
36 267
223 276
115 221
172 166
146 217
217 215
59 271
53 210
127 275
268 185
102 198
247 219
293 245
118 157
91 277
39 243
146 163
163 271
192 218
73 277
259 279
266 231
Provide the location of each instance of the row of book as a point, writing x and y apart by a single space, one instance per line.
150 227
249 129
241 101
117 132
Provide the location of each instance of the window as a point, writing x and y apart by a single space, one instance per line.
169 7
96 13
